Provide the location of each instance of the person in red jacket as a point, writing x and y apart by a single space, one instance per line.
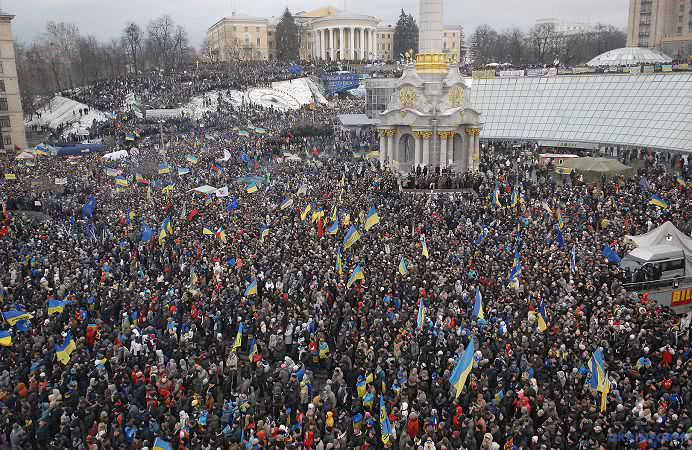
413 425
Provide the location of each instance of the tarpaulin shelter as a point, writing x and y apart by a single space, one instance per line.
666 234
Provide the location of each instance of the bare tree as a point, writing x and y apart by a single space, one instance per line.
483 43
59 43
545 43
160 40
131 39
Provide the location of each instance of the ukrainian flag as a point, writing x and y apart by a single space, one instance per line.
305 211
597 368
57 306
238 337
403 268
385 425
5 338
500 395
63 352
207 231
372 219
558 215
351 237
515 273
221 234
542 318
121 181
160 444
251 188
339 262
333 217
356 275
287 203
162 236
264 233
463 369
420 320
496 197
317 214
192 159
253 349
658 201
681 181
333 228
361 387
251 289
425 248
515 197
14 316
346 219
168 188
164 168
478 305
167 225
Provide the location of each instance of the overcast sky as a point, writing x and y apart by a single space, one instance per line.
106 18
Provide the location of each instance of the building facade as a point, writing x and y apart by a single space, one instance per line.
452 43
11 116
666 24
566 27
328 34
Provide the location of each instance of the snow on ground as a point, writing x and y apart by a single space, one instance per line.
358 92
196 109
64 110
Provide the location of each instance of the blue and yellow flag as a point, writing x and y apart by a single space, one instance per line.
251 289
192 159
121 181
356 275
597 368
515 273
334 227
168 188
403 268
478 305
496 196
658 201
167 225
252 350
286 203
425 247
558 216
14 316
305 211
339 263
164 168
207 231
5 338
385 425
351 237
57 306
251 188
500 395
162 237
372 219
542 317
334 216
238 337
160 444
462 369
420 319
63 352
515 197
264 233
317 213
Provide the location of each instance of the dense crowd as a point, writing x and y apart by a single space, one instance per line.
231 316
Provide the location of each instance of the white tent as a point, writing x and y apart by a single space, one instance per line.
25 155
669 235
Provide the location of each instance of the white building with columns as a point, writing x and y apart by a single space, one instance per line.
332 34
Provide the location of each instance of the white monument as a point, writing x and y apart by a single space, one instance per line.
429 120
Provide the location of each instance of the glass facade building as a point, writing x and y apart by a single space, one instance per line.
645 110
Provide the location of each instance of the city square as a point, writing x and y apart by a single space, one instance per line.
354 226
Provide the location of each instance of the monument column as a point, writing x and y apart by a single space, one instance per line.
322 55
362 43
374 39
444 138
342 57
390 146
476 157
426 135
417 156
470 148
383 146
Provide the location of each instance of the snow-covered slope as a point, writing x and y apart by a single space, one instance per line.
62 110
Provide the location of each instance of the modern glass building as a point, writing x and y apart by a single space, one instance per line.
644 110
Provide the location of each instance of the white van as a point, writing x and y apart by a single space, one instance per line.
663 259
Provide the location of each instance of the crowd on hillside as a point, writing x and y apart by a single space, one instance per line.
210 293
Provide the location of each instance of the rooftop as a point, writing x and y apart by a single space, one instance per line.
628 56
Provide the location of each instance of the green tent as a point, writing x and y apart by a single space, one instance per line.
594 168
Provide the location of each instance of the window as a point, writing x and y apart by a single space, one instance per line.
234 28
2 85
679 30
259 41
3 104
7 140
4 121
257 29
389 46
445 35
1 69
246 28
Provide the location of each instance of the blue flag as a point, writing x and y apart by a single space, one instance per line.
147 233
89 206
610 254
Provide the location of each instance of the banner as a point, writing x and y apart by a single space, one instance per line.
681 297
534 72
483 74
683 67
511 73
340 82
61 181
565 71
666 68
648 69
578 70
551 72
636 70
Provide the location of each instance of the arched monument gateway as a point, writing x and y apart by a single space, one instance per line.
429 120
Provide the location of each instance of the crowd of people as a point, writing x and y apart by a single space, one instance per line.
208 292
